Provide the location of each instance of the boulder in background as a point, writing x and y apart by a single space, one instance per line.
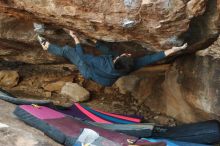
75 92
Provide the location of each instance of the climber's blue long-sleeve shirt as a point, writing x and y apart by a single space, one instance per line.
100 68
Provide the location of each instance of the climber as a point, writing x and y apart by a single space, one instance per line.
107 68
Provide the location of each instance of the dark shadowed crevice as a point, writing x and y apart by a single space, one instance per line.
203 30
7 2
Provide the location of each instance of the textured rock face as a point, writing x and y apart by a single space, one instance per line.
156 24
55 86
14 29
202 76
8 78
188 90
127 83
195 80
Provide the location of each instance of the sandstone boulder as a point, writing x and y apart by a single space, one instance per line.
8 78
75 92
156 24
198 78
189 90
127 84
55 86
93 86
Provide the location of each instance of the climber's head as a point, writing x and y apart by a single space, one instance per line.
124 62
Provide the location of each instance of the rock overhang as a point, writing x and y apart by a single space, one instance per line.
157 25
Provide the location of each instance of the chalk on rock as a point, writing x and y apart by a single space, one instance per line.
175 41
75 92
128 23
130 3
39 28
3 125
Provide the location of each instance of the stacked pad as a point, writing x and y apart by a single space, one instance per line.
12 99
174 143
203 132
207 132
88 114
65 129
76 110
70 131
136 130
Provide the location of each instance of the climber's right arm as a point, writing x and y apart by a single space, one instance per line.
79 48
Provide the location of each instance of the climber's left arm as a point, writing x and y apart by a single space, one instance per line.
150 59
175 49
